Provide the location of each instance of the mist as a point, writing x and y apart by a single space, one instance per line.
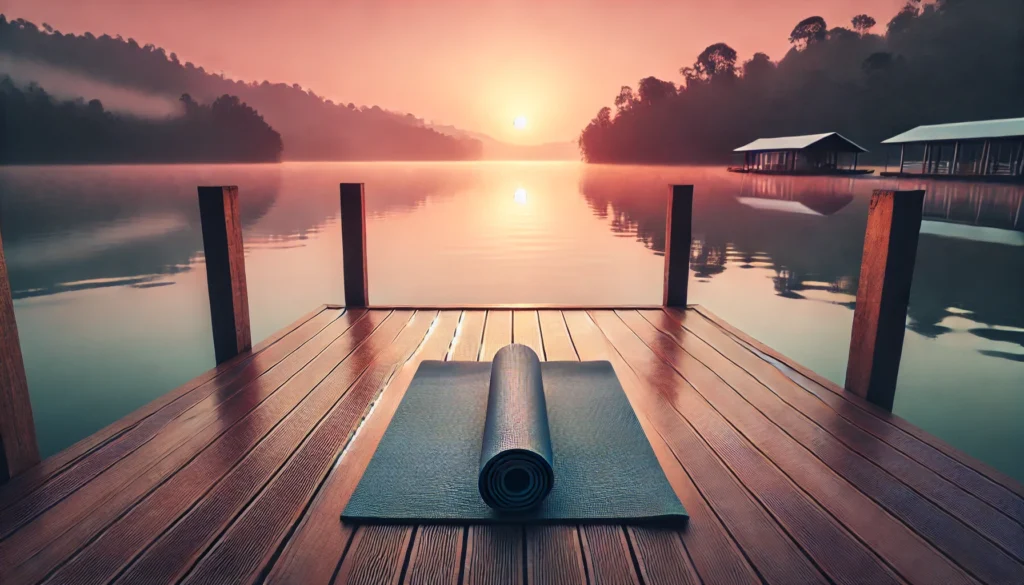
67 85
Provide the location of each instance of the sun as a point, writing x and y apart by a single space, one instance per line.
519 122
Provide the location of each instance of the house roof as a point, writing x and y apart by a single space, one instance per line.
962 131
798 142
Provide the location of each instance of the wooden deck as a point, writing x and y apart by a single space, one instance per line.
240 475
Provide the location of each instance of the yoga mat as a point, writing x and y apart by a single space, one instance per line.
427 465
515 459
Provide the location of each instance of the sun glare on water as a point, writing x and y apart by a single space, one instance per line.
519 122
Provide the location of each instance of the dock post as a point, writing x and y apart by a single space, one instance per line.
353 244
225 271
678 235
18 447
883 292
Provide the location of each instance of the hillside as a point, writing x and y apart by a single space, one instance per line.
312 127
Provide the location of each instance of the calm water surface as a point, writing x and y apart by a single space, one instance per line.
110 290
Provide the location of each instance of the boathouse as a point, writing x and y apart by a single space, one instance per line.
829 153
988 149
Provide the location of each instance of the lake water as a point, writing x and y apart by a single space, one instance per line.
110 289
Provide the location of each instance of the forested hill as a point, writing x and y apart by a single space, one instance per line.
312 127
948 61
38 128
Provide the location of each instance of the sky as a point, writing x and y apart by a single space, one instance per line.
475 64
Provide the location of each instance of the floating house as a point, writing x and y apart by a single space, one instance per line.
984 150
812 154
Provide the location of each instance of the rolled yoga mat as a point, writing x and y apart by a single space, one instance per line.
427 466
515 458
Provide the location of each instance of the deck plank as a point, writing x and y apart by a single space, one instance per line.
863 460
332 410
960 458
497 334
553 553
469 337
723 516
75 520
321 542
837 552
969 480
439 551
25 507
241 475
223 464
36 476
840 492
494 554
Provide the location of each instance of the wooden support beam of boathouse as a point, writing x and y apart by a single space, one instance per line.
353 244
678 234
225 271
883 292
18 447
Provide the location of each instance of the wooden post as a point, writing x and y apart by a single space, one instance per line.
883 292
353 244
18 447
225 271
678 234
956 154
903 148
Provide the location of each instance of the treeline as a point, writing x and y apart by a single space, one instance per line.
949 61
40 129
313 127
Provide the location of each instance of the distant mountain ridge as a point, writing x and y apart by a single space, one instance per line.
311 126
494 149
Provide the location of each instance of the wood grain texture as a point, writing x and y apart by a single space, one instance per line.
963 464
315 550
468 338
225 270
438 553
664 559
209 455
554 556
55 464
497 334
526 331
353 244
883 292
606 555
244 553
678 235
894 541
903 492
84 499
722 515
297 462
436 556
241 478
833 550
374 564
494 555
18 447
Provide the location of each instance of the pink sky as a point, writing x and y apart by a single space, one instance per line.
473 63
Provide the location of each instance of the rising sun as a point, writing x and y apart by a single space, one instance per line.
519 122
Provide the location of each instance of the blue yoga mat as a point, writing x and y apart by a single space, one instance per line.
431 462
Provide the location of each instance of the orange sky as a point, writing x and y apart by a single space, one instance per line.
472 63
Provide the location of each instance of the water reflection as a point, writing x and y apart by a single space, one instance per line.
107 266
809 231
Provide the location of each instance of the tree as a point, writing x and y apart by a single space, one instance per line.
809 31
652 90
759 67
862 23
716 62
604 117
625 100
903 18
